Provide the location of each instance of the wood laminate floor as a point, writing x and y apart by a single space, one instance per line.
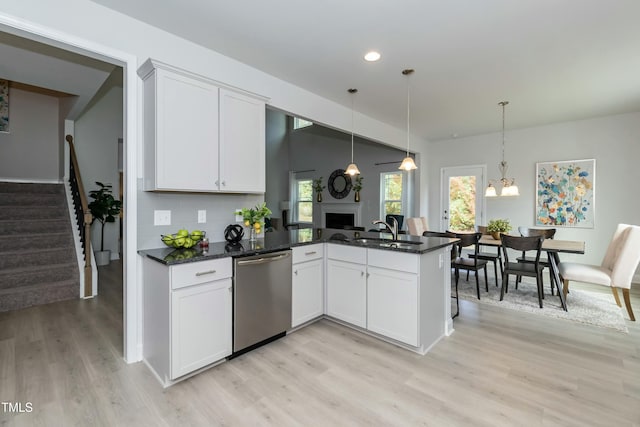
499 368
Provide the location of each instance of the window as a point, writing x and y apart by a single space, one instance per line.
303 201
392 193
299 123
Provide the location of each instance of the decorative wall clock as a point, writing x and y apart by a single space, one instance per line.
339 184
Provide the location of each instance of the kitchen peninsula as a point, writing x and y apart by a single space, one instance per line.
396 290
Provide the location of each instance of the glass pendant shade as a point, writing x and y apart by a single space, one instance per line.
408 164
490 191
352 169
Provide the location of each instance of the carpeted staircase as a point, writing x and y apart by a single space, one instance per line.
37 253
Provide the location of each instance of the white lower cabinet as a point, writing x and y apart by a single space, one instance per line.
201 329
392 304
187 316
347 284
307 291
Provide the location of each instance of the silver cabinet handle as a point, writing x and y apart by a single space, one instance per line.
295 272
203 273
311 253
217 182
361 273
224 183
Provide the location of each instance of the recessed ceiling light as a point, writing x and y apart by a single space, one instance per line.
372 56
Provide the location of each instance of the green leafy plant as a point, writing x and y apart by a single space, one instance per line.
357 185
499 226
104 207
317 185
254 217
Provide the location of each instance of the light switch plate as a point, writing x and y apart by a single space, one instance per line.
161 217
202 216
238 217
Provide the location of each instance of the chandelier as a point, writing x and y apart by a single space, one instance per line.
509 187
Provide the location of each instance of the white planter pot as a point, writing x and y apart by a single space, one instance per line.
102 257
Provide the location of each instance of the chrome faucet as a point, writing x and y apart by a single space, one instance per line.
393 229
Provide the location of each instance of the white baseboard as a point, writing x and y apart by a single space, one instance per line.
32 181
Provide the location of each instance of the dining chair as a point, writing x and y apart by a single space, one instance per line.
494 257
399 218
417 225
474 263
454 254
547 233
617 269
531 244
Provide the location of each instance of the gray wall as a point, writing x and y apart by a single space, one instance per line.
613 141
277 157
96 142
319 151
31 151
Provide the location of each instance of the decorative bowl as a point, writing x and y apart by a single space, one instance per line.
175 241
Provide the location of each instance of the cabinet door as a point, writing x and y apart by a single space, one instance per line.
201 329
186 151
242 143
347 292
392 304
307 292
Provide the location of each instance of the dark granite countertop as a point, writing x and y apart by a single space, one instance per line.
276 241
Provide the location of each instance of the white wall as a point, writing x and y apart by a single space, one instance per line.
96 142
613 141
30 152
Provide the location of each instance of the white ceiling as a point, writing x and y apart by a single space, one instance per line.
554 60
44 66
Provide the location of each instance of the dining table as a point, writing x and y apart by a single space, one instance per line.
553 247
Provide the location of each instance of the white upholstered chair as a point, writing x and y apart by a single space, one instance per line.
617 268
417 225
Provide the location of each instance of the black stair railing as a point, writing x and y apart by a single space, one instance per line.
83 215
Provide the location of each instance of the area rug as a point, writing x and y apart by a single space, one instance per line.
591 308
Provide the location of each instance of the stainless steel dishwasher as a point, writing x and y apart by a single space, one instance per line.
261 299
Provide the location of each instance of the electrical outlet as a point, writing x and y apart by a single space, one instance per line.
202 216
238 217
161 217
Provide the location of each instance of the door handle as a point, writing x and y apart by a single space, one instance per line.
263 260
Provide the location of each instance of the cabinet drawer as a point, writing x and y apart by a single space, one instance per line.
347 253
200 272
307 252
400 261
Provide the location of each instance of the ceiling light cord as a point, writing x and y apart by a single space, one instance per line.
352 91
408 112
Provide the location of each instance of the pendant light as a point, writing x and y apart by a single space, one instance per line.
352 169
408 163
509 187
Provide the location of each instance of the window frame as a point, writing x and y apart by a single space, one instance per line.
403 198
296 201
299 123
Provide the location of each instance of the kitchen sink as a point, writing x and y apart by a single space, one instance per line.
388 243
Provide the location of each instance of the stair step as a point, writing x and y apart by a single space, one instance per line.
18 212
43 293
34 258
13 227
28 199
11 243
21 277
31 187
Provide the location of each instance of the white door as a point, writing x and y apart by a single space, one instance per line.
462 197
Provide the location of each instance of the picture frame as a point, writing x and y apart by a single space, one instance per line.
565 193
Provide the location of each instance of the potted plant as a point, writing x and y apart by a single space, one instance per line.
105 208
357 186
318 187
254 218
497 226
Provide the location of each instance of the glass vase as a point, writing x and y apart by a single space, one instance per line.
253 235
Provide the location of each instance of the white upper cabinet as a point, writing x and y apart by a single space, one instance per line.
200 135
242 143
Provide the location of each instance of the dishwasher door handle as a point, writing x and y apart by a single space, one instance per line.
265 259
